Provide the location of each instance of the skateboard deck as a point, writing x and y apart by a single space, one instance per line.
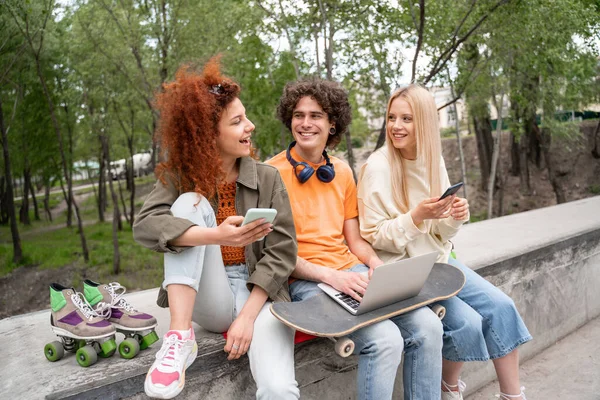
322 316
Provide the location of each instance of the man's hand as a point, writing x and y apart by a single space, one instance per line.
231 234
353 284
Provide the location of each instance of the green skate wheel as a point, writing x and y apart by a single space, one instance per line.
147 340
129 348
86 356
108 348
54 351
79 343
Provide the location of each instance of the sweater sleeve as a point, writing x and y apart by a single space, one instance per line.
280 248
378 226
155 225
446 228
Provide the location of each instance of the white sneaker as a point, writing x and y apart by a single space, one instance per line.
166 376
505 396
451 395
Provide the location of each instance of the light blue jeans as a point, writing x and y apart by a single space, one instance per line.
221 294
481 322
379 346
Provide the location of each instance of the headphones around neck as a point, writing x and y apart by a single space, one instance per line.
325 173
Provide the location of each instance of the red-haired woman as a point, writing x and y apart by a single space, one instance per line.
217 273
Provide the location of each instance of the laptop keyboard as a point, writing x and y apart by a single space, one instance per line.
348 300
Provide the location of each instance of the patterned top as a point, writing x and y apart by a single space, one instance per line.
231 255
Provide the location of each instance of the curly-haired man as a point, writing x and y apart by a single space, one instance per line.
322 193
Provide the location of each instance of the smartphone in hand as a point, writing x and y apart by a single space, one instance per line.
257 213
451 190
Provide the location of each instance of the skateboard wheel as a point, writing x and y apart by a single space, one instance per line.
86 356
129 348
344 347
54 351
439 310
147 340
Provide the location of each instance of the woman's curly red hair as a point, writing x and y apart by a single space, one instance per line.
190 108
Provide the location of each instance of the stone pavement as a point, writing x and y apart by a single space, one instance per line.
570 369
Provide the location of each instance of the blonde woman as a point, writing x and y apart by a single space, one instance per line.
402 216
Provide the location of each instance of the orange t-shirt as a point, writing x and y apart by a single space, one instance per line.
320 210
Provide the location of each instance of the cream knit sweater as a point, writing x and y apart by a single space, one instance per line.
391 233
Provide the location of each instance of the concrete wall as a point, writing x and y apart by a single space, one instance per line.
547 260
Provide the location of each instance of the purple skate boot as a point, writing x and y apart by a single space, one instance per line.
80 328
138 327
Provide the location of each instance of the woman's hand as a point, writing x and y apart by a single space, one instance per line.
239 337
460 209
432 208
229 233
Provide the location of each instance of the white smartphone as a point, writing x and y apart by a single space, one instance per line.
257 213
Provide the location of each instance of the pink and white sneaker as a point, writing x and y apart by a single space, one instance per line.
166 376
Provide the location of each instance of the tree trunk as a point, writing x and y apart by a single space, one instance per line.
116 215
515 166
4 218
47 201
104 174
36 212
381 137
130 177
535 143
546 141
495 155
10 205
24 210
595 152
525 185
123 203
461 154
483 134
350 154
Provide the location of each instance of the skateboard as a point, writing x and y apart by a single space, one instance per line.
322 316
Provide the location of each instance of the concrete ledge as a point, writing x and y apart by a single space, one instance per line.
547 260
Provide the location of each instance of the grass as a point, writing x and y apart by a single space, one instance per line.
140 267
594 189
47 247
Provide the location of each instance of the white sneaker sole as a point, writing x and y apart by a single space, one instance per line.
170 392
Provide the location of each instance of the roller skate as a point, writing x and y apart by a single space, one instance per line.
138 327
81 330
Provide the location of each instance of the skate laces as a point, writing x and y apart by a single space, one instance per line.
460 385
169 353
82 304
504 396
116 291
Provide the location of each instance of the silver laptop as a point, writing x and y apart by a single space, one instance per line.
389 284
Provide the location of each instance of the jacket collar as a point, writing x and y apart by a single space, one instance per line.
248 175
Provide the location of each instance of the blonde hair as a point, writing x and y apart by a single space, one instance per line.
429 146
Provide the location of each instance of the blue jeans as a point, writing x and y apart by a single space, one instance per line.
379 346
481 322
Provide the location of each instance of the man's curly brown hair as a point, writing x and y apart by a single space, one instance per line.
331 96
190 108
